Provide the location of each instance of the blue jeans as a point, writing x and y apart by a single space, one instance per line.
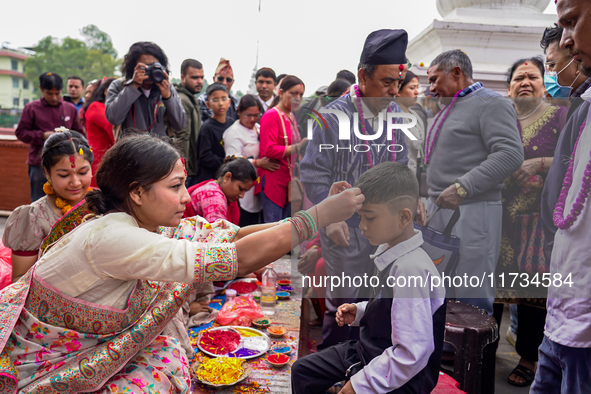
562 369
36 180
273 212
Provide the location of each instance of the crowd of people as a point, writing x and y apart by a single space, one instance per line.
141 188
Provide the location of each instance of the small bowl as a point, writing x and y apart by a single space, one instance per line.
276 331
284 282
280 349
289 289
283 295
278 360
261 322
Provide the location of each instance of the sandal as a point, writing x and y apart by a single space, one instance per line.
523 372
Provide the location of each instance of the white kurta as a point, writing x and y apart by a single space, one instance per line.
100 261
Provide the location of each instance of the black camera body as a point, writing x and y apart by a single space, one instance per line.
155 72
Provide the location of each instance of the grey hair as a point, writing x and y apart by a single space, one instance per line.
368 68
448 60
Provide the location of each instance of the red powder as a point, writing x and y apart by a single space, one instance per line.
278 358
243 287
220 341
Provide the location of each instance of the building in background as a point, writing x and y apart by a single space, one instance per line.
493 33
15 90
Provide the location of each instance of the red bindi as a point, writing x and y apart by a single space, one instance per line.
401 67
73 161
184 168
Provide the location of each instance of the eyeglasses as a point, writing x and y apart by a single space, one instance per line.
553 63
215 101
251 116
228 79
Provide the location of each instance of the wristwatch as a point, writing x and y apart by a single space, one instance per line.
460 191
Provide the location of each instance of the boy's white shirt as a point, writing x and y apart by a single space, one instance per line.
411 317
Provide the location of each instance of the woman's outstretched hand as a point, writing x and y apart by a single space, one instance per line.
339 207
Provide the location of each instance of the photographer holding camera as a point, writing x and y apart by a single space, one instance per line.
144 96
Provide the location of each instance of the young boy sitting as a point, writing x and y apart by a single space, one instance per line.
402 325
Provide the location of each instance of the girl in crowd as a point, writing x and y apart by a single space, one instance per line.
242 140
522 239
406 98
218 199
90 88
98 128
281 141
66 159
39 120
89 315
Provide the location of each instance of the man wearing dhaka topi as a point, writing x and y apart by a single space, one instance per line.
328 158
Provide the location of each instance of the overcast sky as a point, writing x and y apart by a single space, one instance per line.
312 39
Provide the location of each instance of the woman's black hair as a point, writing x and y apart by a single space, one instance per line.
409 77
97 95
136 51
64 143
287 83
49 80
137 160
241 169
337 88
247 101
537 61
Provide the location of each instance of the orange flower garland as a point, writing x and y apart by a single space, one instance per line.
59 202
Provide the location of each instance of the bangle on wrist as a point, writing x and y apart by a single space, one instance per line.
254 162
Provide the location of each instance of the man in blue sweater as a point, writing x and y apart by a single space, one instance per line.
330 159
473 146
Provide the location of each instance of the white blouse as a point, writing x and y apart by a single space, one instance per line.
242 142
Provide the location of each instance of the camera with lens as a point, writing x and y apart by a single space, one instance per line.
155 72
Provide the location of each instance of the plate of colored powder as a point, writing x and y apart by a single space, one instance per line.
250 342
221 372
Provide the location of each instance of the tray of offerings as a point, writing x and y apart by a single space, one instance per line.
233 341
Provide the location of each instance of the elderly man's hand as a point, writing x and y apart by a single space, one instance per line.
449 198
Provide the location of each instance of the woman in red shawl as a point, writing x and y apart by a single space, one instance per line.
218 199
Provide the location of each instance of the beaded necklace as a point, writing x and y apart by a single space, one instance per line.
559 220
364 129
430 146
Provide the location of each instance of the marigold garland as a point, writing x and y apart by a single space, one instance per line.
222 370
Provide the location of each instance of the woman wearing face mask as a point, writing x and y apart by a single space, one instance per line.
522 235
551 77
66 159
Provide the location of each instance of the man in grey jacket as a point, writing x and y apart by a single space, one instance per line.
191 84
136 101
473 146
